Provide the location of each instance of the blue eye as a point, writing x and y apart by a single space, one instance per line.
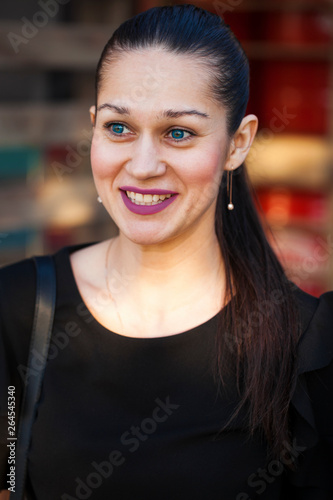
117 128
178 134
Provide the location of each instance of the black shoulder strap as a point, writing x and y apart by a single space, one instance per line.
39 346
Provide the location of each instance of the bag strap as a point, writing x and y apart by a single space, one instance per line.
39 346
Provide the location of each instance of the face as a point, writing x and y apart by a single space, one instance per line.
159 147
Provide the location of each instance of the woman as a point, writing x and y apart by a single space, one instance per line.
184 363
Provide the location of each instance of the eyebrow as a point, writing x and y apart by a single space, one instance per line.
168 113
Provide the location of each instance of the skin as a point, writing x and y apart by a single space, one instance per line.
166 269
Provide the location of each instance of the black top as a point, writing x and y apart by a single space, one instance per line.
138 418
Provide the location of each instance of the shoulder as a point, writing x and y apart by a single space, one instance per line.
17 298
18 288
11 276
315 348
18 280
314 386
312 406
314 389
17 307
307 305
17 292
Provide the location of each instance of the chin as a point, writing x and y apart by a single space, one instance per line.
145 236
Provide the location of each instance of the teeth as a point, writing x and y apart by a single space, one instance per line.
147 199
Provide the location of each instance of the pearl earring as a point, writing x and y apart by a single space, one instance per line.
229 189
99 199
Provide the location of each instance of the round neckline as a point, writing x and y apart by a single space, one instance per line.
66 252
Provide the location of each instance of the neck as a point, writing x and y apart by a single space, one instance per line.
172 273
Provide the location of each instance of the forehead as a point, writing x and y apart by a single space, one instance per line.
155 77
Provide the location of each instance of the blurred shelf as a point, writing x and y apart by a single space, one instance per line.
78 48
306 257
41 124
277 51
48 204
324 6
291 160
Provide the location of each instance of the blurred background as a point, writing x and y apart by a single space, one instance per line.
48 53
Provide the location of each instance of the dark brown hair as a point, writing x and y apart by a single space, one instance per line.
259 328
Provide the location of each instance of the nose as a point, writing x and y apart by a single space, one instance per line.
145 161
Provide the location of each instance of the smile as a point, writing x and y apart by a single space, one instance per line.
147 199
145 202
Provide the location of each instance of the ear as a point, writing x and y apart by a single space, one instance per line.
241 142
92 112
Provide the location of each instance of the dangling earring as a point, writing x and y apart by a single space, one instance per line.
99 199
229 189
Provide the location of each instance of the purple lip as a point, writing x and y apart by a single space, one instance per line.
146 191
148 209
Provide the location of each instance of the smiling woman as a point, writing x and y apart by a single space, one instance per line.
168 141
184 328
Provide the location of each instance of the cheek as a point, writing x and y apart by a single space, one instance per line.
103 159
205 171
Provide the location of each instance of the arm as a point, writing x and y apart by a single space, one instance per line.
4 495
